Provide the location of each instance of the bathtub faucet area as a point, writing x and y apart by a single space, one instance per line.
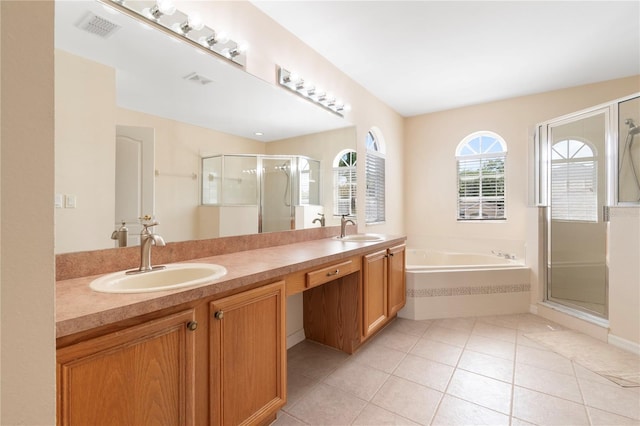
505 255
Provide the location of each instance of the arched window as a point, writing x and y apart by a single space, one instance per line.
574 181
344 183
375 176
480 163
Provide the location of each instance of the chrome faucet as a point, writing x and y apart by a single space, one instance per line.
147 239
319 219
343 225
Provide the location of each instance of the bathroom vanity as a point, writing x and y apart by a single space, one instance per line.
216 353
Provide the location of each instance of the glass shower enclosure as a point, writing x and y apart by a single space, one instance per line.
272 186
585 163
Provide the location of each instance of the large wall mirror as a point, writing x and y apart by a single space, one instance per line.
136 112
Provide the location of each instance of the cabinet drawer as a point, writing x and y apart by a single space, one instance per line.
330 273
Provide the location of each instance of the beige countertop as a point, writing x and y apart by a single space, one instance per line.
78 308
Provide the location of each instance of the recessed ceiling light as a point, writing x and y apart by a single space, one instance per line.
258 133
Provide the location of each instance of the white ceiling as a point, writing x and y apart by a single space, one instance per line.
425 56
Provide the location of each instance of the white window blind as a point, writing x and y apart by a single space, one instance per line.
574 182
344 202
481 188
573 191
375 190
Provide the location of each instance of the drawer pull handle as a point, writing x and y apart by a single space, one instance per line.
336 272
219 315
192 325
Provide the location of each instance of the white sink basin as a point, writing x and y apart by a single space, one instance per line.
174 276
360 238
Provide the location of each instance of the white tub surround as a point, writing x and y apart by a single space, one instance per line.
447 285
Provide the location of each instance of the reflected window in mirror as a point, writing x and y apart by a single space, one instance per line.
375 178
345 184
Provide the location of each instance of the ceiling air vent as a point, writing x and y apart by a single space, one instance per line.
197 78
97 25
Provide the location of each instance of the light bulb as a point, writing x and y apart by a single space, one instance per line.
166 7
243 46
195 22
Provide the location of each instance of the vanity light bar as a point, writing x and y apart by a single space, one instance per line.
164 15
309 91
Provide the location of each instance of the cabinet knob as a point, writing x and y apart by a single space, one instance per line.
391 254
336 272
219 315
192 325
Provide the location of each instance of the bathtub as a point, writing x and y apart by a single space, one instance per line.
443 284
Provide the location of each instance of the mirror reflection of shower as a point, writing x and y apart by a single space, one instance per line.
627 156
286 197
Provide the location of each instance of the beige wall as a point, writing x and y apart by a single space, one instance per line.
85 105
27 367
430 211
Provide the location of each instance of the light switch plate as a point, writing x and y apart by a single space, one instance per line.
70 201
57 201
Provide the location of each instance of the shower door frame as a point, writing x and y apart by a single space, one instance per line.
543 195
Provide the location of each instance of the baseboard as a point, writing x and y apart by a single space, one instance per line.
295 338
625 344
533 309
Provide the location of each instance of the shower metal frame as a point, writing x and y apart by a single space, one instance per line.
541 190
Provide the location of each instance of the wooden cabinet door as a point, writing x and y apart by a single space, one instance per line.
374 292
138 376
248 356
396 277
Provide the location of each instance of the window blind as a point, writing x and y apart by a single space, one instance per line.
481 188
375 188
344 201
574 194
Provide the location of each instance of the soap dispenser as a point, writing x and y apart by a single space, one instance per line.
121 235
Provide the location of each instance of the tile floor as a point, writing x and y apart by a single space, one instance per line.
462 371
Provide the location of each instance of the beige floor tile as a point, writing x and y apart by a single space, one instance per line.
508 321
374 415
493 347
584 373
542 409
297 386
487 365
327 405
357 379
525 341
549 382
286 420
408 399
481 390
415 328
611 398
543 359
395 340
455 411
425 372
380 357
464 324
533 324
437 351
447 335
494 332
603 418
313 360
519 422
